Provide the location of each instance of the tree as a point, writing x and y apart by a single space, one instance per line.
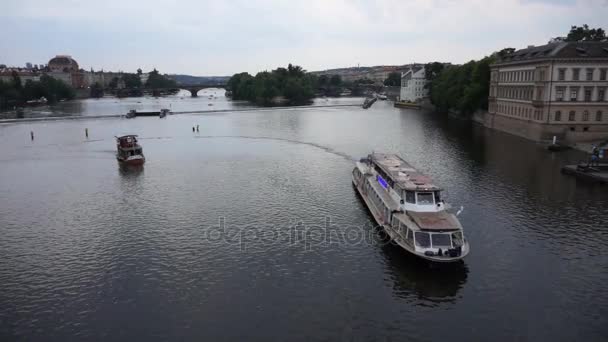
113 83
156 80
431 70
323 80
463 88
139 72
393 79
16 80
335 80
293 83
97 90
131 81
585 33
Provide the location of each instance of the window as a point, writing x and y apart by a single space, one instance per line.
573 95
558 116
589 74
559 94
571 116
409 197
602 74
422 239
441 240
561 75
457 239
586 115
598 115
588 94
600 94
576 74
425 198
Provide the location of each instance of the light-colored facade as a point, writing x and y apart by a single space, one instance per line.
558 89
65 77
6 75
413 84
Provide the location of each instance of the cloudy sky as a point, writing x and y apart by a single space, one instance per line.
222 37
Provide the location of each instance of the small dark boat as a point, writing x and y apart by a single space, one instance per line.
163 113
369 102
129 152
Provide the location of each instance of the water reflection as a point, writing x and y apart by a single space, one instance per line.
130 171
422 282
417 280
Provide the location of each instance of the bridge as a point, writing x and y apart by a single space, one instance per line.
192 88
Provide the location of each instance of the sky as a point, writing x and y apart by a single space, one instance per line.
223 37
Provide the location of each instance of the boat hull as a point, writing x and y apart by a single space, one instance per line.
386 226
132 161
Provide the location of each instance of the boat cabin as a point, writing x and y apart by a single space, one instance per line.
127 145
412 189
431 234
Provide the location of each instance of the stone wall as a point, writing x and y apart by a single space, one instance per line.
542 132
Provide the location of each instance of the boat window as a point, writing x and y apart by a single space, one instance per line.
457 239
425 198
437 197
441 240
422 239
409 197
410 235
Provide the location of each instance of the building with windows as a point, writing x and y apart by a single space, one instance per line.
559 89
65 68
413 82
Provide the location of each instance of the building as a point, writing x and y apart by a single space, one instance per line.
558 89
6 75
65 68
413 84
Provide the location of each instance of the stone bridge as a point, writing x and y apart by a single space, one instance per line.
192 88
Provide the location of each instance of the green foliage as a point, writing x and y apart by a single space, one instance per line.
393 79
96 90
292 83
432 70
585 33
335 80
14 93
156 80
113 83
323 81
131 81
463 88
366 80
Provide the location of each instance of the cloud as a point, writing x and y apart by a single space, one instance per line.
224 37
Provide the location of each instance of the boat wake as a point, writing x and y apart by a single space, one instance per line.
324 148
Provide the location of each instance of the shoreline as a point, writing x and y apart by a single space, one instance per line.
201 112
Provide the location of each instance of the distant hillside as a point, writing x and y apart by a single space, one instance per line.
202 80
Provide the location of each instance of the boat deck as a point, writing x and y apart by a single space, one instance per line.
597 174
402 173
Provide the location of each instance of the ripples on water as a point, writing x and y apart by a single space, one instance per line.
207 240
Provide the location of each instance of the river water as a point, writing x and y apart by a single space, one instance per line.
250 229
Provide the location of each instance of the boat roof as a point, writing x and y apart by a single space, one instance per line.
401 173
127 136
440 220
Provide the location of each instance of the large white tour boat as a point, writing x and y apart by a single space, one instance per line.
409 208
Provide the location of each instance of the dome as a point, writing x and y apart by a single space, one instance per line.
62 63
